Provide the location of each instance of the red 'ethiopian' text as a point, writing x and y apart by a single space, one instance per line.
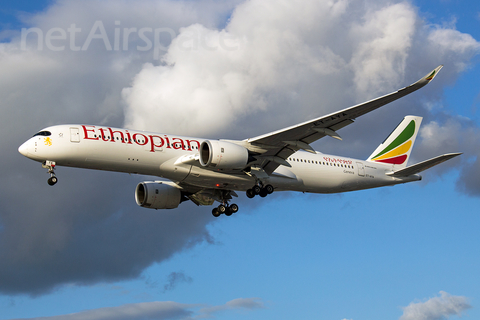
152 141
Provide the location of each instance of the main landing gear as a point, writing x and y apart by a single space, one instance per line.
226 209
50 165
261 191
224 196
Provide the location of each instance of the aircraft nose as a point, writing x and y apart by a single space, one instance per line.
23 149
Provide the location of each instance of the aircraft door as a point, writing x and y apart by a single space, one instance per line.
74 135
361 169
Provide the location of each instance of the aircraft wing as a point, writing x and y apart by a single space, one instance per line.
279 145
424 165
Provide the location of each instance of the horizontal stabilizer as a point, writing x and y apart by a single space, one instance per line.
424 165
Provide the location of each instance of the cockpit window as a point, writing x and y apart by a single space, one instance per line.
43 133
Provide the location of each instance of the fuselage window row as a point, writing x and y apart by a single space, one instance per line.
321 163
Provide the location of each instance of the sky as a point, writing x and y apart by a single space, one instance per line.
234 70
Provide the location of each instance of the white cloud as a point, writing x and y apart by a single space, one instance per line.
436 308
385 37
451 42
240 303
275 51
320 55
436 136
452 134
160 310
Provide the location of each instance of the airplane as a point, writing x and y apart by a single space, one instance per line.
204 170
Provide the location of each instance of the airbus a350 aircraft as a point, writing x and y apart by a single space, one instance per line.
205 171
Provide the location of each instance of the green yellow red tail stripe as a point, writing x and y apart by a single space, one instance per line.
397 151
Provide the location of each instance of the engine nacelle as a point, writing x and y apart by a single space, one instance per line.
223 155
157 195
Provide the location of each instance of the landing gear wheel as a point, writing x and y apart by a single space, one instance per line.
263 193
250 193
269 188
234 208
52 181
229 212
222 208
216 213
256 189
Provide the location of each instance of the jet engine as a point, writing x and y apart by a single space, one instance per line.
157 195
223 155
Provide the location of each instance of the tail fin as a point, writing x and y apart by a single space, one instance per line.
397 147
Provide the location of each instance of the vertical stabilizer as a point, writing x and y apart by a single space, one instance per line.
397 147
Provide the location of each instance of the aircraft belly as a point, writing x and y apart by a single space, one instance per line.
324 181
212 179
108 157
105 156
371 176
284 178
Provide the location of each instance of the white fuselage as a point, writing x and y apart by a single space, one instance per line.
122 150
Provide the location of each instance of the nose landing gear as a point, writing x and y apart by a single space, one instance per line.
50 165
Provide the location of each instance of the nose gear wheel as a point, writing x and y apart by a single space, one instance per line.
50 165
52 180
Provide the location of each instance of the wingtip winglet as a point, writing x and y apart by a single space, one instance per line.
454 154
432 74
429 77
